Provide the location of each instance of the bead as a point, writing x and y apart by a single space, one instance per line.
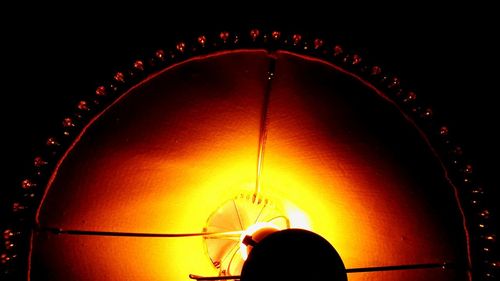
202 40
160 55
394 83
318 43
468 169
4 258
52 142
224 36
376 70
356 59
139 65
276 35
100 91
39 162
9 245
490 238
8 234
254 33
426 113
478 190
17 207
411 96
181 47
119 77
83 105
26 184
485 214
68 122
337 50
443 131
296 38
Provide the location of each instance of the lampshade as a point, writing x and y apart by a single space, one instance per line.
214 138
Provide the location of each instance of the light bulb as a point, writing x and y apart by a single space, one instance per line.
253 235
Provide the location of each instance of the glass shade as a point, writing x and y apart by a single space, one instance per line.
340 159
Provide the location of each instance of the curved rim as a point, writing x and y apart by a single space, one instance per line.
470 196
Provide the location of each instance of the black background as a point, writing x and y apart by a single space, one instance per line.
53 58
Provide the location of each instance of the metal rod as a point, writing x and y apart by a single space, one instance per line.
135 234
349 270
264 121
229 277
400 267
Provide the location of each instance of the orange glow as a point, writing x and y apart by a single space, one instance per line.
172 151
298 218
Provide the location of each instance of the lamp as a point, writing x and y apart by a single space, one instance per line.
159 174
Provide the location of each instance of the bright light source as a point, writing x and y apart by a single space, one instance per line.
256 232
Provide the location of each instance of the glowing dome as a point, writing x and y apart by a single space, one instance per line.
213 144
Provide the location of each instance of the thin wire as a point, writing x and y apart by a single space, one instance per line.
232 259
224 237
287 221
229 277
59 231
349 270
264 121
400 267
260 213
234 249
238 214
